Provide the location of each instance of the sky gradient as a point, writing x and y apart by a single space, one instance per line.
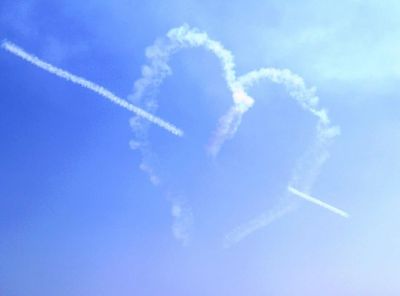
96 202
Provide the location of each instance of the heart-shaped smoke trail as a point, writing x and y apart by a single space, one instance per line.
153 74
158 69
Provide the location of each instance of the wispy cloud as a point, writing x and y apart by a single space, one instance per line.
318 202
12 48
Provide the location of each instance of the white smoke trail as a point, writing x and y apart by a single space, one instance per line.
309 166
307 169
158 69
261 221
318 202
186 37
12 48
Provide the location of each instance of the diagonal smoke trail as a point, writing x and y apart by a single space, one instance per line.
318 202
261 221
12 48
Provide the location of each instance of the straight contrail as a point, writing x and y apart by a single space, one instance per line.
12 48
318 202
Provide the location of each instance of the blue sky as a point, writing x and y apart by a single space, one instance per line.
79 213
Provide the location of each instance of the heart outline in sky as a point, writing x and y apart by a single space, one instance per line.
153 75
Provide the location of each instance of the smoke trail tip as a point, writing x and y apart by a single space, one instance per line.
180 133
